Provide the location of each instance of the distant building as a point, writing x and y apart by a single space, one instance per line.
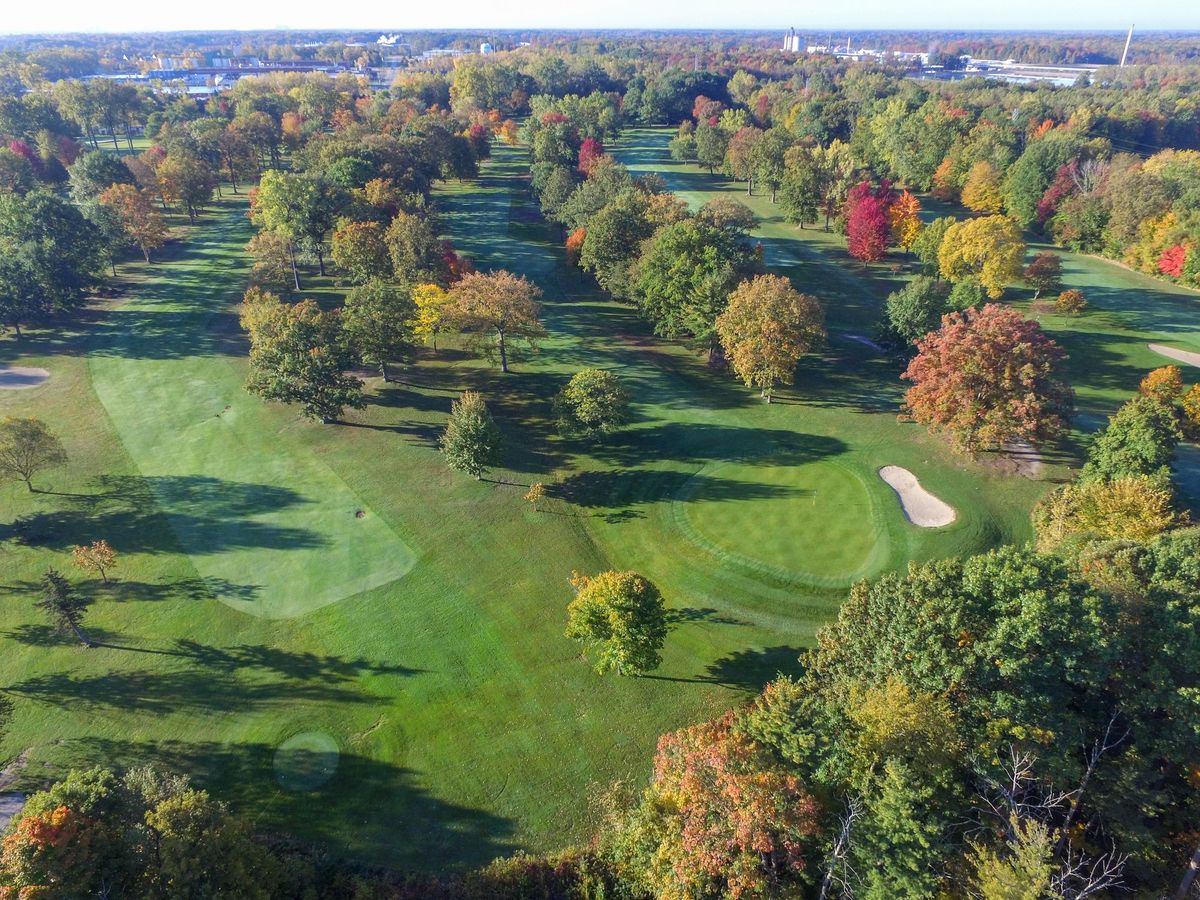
388 40
791 41
485 49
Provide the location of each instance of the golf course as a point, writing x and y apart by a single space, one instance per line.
351 643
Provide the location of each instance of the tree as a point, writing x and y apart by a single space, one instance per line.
50 256
1129 508
802 188
981 190
140 221
768 158
990 249
1164 384
28 446
1044 273
1139 440
684 276
619 616
711 145
432 304
1070 302
378 320
272 254
988 376
591 403
917 308
62 606
359 248
590 152
728 214
294 206
867 227
471 441
299 354
94 173
766 328
188 180
613 239
415 249
929 241
98 557
726 819
904 220
500 305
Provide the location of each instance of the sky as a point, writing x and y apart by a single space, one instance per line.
398 15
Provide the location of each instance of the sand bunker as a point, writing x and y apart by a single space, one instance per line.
920 507
1183 356
17 378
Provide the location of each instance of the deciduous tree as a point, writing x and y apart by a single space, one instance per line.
619 617
765 330
1044 273
988 376
904 219
981 190
591 403
359 248
917 308
27 447
497 306
98 557
989 248
140 221
471 441
378 320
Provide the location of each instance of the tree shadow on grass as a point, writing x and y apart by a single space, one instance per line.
214 515
368 811
745 670
694 442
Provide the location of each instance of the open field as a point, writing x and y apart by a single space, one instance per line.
410 661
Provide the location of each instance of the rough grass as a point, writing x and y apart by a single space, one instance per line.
466 724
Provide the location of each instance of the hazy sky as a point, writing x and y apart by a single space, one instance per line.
809 17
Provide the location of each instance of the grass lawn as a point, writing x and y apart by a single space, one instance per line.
397 684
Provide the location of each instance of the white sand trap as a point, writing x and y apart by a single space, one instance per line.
18 378
920 507
1183 356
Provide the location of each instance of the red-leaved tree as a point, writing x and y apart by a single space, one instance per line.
868 230
590 152
1171 261
988 377
742 818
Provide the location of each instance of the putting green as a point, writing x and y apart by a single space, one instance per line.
269 527
813 523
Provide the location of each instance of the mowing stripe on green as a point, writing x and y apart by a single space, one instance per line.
270 527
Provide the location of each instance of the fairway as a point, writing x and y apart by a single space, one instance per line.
817 526
271 530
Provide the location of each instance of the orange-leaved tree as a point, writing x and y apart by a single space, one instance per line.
988 376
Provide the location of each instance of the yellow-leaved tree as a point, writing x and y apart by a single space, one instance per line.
989 248
981 191
766 328
431 301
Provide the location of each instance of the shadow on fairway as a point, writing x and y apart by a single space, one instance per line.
421 832
216 515
705 442
746 670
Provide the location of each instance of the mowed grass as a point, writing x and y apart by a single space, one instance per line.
466 724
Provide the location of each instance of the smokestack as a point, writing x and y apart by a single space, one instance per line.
1125 52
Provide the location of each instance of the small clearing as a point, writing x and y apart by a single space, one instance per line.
1025 457
920 507
18 378
1183 356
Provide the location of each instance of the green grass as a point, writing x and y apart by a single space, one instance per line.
465 724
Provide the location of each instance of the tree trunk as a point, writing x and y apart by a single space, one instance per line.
1189 876
773 192
233 177
320 259
28 485
503 354
112 262
82 635
145 253
17 326
383 371
295 271
750 186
